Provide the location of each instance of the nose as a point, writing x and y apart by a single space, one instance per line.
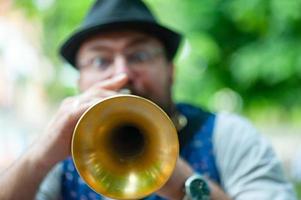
121 65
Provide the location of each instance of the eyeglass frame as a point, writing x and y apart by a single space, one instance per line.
131 57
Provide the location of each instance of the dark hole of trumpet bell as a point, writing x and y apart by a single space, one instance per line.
127 141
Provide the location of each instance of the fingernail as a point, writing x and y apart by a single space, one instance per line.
125 91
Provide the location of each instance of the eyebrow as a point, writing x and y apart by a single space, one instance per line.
98 47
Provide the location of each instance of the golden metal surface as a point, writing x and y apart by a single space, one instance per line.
125 147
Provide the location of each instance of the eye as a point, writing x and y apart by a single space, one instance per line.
139 57
100 62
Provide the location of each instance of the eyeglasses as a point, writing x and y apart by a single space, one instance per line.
135 59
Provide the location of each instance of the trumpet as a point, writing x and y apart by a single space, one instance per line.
125 147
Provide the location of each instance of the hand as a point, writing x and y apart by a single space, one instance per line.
174 187
55 144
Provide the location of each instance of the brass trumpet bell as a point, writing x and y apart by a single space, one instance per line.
125 147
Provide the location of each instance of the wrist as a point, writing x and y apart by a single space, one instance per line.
174 188
38 158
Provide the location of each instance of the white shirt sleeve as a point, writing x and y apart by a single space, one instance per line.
50 188
249 169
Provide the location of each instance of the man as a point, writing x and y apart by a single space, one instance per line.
120 45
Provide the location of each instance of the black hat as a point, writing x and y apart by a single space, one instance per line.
115 15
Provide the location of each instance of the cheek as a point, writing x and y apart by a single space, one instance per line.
152 83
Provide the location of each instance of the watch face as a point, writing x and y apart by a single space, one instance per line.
199 189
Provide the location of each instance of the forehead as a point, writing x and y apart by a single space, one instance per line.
119 40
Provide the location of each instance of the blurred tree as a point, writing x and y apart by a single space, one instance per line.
250 47
59 19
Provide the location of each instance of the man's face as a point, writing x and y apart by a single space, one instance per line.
139 56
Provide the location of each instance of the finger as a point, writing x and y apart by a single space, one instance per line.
83 106
96 93
114 83
104 89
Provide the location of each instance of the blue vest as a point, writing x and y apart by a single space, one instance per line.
198 152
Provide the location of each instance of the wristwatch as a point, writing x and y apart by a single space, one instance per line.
196 188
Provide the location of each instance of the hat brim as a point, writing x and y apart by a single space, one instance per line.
170 39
